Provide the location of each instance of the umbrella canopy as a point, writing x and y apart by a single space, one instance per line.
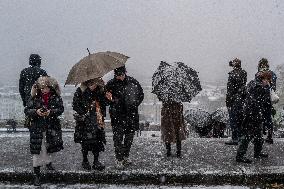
94 66
176 82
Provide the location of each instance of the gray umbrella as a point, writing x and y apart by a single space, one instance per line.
94 66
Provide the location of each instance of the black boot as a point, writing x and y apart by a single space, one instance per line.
269 138
168 147
50 167
258 149
85 164
37 176
261 155
178 149
243 160
97 165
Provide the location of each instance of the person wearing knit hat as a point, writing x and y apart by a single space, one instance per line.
236 87
29 75
125 94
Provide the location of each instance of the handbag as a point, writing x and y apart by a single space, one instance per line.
274 97
27 122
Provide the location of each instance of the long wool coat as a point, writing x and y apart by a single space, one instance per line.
51 124
172 122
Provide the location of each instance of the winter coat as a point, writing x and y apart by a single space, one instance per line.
254 107
236 87
28 77
51 124
87 130
127 96
172 122
267 103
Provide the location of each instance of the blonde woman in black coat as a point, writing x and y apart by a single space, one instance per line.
43 108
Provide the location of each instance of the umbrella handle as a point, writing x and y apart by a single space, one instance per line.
88 51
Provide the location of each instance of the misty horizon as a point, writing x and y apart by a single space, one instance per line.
205 35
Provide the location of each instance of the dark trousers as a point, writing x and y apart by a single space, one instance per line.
85 152
178 144
122 139
245 140
267 122
235 118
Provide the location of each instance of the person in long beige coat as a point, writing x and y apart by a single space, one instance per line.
172 126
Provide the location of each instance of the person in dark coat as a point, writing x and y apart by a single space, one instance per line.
263 65
173 128
44 107
29 75
125 94
254 111
89 104
236 87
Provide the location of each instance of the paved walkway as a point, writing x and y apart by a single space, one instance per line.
204 161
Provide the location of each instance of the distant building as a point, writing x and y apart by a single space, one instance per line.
209 99
11 106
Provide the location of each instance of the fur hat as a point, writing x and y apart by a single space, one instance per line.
35 60
45 81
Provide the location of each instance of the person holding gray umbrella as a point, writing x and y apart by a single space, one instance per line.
88 72
89 105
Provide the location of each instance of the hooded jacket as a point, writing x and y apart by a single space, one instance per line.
28 77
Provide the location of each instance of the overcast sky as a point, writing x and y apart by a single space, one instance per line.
205 34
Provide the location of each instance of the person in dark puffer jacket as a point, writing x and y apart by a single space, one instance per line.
44 107
254 113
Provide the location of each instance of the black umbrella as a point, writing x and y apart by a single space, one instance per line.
176 82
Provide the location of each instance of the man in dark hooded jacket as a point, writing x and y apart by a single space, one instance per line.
254 110
29 75
125 95
236 87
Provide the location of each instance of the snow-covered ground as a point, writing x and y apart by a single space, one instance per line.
200 156
100 186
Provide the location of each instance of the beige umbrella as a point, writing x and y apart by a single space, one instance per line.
94 66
